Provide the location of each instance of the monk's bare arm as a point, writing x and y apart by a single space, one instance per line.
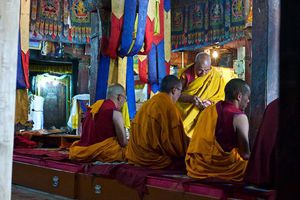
241 125
119 127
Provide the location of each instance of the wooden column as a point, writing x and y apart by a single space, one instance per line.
265 56
94 55
9 26
288 165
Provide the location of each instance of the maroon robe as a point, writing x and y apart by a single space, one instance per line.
99 128
261 165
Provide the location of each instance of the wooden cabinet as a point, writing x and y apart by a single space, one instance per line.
45 179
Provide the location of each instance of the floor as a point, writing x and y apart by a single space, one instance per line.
23 193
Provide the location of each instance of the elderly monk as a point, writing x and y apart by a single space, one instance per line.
158 139
219 147
202 86
103 133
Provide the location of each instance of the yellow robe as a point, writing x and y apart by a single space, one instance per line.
157 134
210 86
205 157
108 150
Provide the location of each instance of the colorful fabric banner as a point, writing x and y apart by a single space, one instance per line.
140 33
143 68
102 77
130 88
149 28
115 28
61 21
128 28
21 83
167 33
198 23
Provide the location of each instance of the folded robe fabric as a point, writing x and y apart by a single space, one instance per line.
108 150
205 158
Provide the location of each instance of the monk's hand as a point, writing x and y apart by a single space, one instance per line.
197 102
206 103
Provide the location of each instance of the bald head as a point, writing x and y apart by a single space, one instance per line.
202 56
114 90
202 64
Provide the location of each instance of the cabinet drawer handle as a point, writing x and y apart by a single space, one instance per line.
55 181
98 189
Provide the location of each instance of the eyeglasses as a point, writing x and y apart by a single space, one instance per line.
123 96
178 89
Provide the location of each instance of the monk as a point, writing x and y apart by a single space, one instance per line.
261 169
157 137
219 148
202 86
103 133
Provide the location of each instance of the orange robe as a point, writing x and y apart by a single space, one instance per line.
205 158
94 144
208 87
157 134
108 150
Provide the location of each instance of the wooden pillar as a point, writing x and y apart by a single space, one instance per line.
9 26
94 54
265 65
289 120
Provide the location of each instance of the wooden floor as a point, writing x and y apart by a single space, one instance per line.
23 193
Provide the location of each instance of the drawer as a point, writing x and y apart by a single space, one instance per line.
45 179
95 187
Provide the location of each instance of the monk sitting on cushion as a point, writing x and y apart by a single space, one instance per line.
202 86
219 147
103 134
157 137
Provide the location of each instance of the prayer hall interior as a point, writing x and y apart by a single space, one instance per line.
60 57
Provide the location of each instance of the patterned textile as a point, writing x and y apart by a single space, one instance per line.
198 23
49 20
80 20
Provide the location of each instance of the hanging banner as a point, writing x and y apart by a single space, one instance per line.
200 23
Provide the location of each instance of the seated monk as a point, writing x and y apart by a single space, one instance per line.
202 86
261 165
103 134
157 137
219 148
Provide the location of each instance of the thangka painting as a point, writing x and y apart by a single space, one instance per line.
49 20
80 20
197 23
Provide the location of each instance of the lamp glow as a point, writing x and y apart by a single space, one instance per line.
215 54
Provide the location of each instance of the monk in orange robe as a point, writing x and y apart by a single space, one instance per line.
103 133
157 137
202 86
219 147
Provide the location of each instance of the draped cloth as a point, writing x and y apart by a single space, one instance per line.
157 137
91 145
22 106
210 86
108 150
261 166
205 158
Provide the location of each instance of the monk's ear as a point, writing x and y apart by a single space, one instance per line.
239 96
173 90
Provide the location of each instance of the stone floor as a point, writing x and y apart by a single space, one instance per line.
23 193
